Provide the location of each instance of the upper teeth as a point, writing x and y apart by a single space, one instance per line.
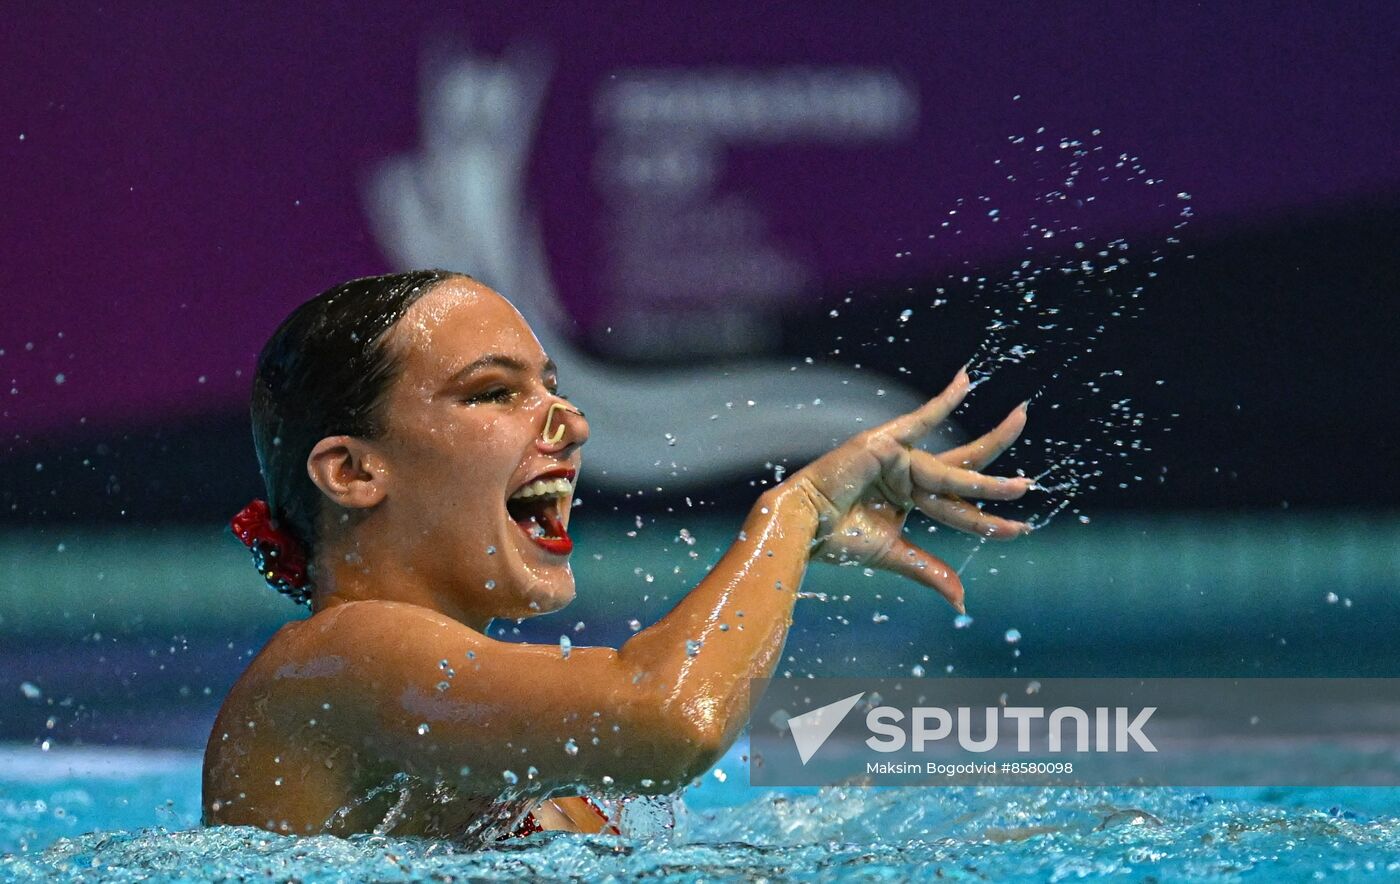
552 487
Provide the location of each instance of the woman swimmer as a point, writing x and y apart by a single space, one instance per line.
411 434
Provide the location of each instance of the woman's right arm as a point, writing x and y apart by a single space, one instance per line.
848 506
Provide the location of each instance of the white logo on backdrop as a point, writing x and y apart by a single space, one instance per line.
460 203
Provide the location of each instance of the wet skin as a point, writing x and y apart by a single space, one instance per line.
394 674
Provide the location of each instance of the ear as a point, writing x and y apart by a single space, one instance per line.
348 471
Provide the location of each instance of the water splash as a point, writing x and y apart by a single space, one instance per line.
1047 320
725 829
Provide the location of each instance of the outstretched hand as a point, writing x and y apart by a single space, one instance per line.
865 489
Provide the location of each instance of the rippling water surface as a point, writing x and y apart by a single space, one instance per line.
109 815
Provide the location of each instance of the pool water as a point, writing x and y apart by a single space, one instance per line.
1302 596
76 813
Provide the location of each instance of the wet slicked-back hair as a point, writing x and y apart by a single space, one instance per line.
323 373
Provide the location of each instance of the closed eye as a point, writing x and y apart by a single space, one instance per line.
495 394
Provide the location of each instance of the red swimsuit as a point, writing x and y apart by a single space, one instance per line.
529 825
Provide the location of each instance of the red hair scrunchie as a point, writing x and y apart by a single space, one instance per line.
277 554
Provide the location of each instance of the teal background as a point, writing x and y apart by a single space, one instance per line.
132 637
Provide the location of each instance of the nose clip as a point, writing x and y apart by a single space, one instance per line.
560 429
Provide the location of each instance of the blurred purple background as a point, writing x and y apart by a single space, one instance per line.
177 178
677 195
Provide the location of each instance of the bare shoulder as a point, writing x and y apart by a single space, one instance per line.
361 627
336 671
396 636
412 688
347 642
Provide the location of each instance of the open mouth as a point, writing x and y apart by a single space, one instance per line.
535 507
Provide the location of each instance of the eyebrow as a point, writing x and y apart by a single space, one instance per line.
502 361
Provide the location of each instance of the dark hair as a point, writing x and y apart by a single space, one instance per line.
322 374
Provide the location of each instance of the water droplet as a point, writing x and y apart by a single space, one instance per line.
565 646
917 671
510 777
692 647
490 550
1013 636
30 691
490 584
962 621
423 729
570 747
634 624
1332 598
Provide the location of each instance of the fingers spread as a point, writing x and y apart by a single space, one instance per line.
908 560
932 474
980 452
910 428
963 516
